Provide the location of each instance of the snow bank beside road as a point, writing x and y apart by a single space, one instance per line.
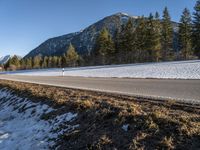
166 70
21 126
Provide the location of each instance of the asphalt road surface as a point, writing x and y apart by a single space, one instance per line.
184 90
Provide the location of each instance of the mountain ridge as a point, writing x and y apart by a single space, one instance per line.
83 40
4 59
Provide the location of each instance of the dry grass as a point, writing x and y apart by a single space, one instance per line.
152 124
104 142
167 143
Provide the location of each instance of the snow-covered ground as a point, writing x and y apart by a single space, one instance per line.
21 126
168 70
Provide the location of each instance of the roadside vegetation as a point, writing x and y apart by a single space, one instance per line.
109 121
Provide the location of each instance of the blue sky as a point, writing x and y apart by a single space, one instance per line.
24 24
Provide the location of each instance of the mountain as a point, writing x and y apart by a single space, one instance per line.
4 59
84 40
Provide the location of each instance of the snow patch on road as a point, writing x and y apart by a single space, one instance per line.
21 126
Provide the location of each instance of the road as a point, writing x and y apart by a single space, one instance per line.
184 90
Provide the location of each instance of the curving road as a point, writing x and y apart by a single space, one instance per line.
184 90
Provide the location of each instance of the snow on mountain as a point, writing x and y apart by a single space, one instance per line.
4 59
167 70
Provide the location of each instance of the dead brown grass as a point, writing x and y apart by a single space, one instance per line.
152 124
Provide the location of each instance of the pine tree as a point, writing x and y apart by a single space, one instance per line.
2 67
141 38
157 35
196 29
71 56
64 61
125 43
157 16
87 59
28 62
45 62
22 64
37 62
185 31
59 63
81 61
54 61
129 42
104 50
110 54
13 63
7 64
119 46
50 62
151 38
167 35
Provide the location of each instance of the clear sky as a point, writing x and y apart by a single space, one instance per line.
24 24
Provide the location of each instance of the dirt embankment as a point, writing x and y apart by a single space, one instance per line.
117 122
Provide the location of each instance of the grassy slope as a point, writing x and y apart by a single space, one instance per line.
151 124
